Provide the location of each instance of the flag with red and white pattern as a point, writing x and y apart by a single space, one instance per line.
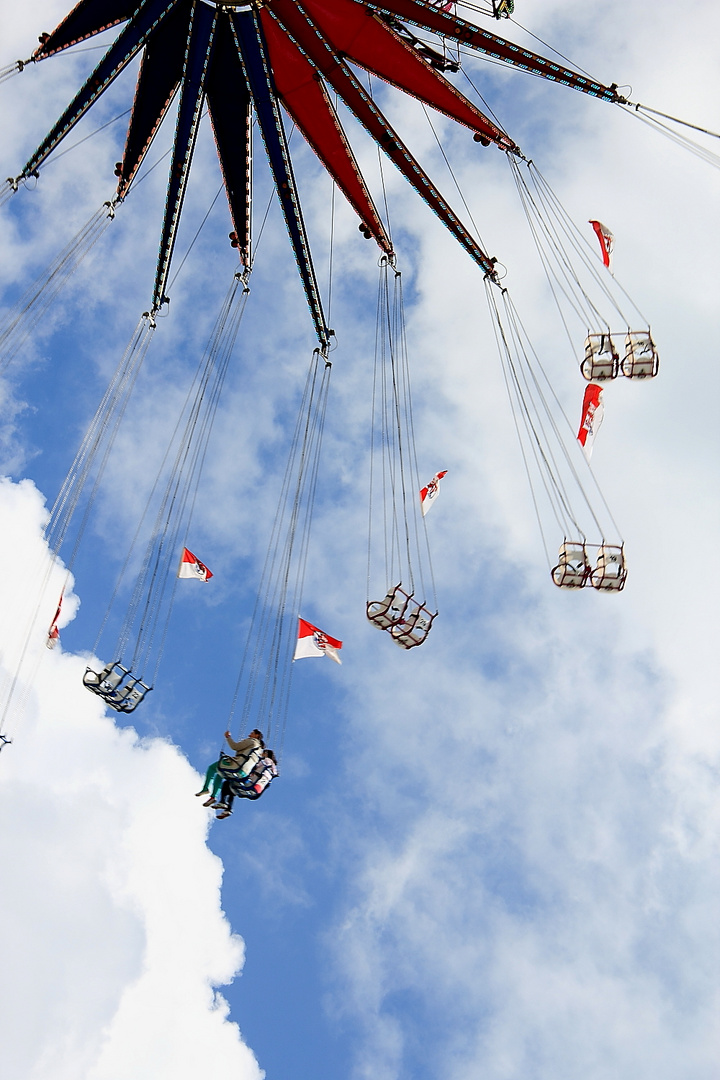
312 641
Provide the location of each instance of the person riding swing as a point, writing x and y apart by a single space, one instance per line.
247 753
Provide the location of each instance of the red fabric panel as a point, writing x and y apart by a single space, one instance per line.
304 97
341 78
364 38
440 22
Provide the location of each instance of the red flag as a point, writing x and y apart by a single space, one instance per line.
314 642
191 567
592 415
429 494
53 633
606 239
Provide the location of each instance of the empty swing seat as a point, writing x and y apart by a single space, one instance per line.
573 568
413 629
610 571
128 697
602 362
106 681
388 612
110 685
641 360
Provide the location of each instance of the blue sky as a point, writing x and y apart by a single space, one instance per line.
494 856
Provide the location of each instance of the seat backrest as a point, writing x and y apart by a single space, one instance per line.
572 552
641 359
601 358
415 628
123 692
133 699
250 761
611 559
113 680
384 613
239 768
639 342
610 571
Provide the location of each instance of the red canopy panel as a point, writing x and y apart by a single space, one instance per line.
306 100
450 26
341 78
358 33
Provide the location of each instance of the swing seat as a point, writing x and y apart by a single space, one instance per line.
602 361
106 681
414 629
610 571
240 790
573 568
230 769
128 697
110 685
388 612
641 360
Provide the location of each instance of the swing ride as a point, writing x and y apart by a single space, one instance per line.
248 65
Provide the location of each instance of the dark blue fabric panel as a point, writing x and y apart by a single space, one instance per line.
259 77
136 34
229 103
199 45
160 73
86 19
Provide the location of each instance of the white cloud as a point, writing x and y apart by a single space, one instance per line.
114 937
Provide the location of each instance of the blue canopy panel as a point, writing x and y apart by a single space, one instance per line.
253 52
86 19
158 80
230 110
203 20
130 41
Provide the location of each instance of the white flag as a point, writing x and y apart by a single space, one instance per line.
314 642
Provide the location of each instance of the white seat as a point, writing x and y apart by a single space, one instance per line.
601 363
111 681
414 629
98 680
107 685
641 360
610 571
133 699
573 568
129 696
388 612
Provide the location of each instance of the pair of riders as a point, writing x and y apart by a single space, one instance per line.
246 774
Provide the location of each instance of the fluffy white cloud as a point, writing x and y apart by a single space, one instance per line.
114 937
